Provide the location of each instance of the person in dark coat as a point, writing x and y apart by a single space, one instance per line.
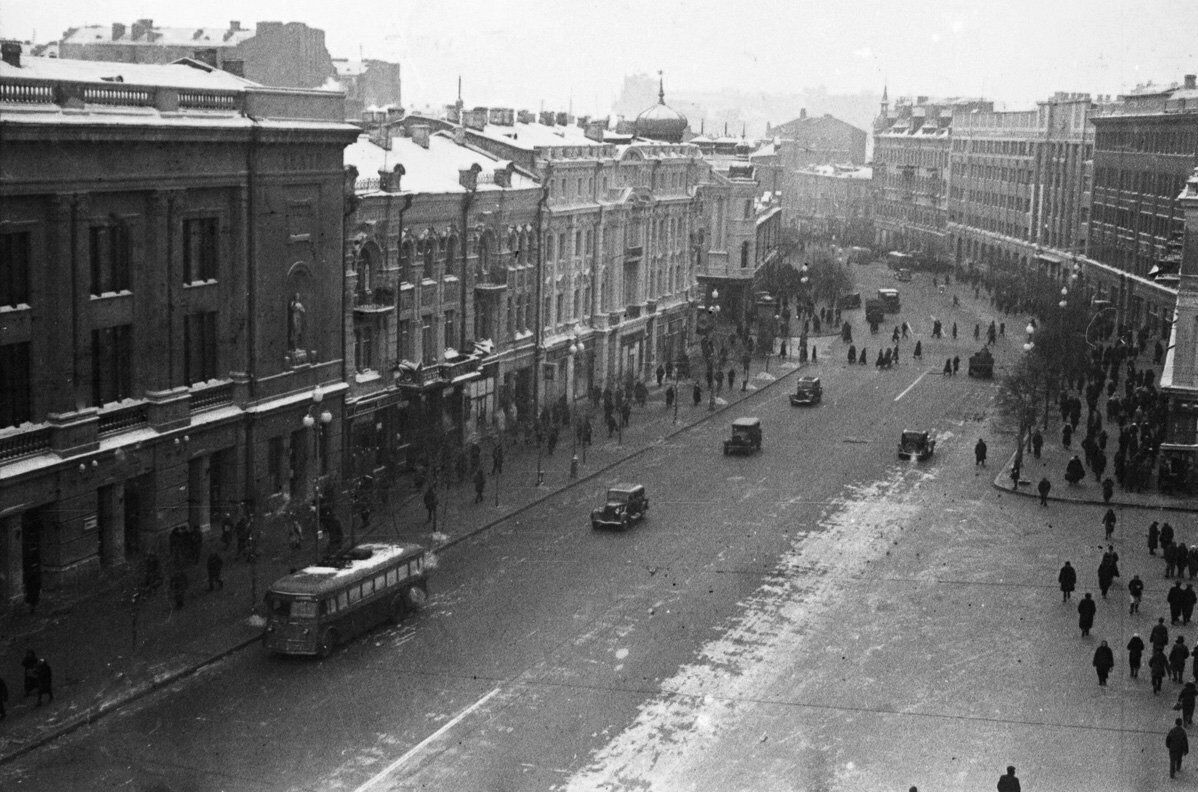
979 453
1067 577
956 364
1108 522
1044 487
1179 745
45 682
1067 436
1135 589
1085 614
1037 443
1174 598
1106 576
732 378
1159 637
1170 554
1008 782
1154 536
1189 598
1192 561
480 485
1158 666
215 564
1104 661
697 394
661 375
1108 489
1177 658
1074 471
430 505
1186 699
918 352
1135 650
1166 535
948 367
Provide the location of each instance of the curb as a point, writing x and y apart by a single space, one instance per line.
96 713
1002 487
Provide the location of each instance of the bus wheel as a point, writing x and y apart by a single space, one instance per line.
328 639
417 597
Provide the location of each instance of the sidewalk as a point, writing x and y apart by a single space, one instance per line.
88 637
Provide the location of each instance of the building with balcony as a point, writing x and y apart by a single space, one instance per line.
170 303
441 262
1179 378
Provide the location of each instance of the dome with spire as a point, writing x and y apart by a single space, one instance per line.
661 122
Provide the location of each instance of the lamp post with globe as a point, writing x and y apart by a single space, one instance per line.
318 421
576 348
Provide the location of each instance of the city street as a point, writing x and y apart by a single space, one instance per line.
819 616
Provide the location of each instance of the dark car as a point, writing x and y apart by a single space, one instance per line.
875 312
746 437
981 364
920 445
807 391
849 301
625 503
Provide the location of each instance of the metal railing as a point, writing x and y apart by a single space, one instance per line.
214 396
121 419
25 444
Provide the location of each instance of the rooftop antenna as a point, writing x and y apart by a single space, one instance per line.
661 88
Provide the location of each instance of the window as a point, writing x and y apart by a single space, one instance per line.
274 463
112 362
578 243
561 317
404 339
14 268
15 390
392 577
427 247
450 335
562 251
199 347
109 256
355 594
367 587
380 581
426 340
451 253
364 348
549 247
199 249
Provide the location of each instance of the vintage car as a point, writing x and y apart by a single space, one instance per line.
981 364
625 503
807 391
920 445
902 274
847 302
746 437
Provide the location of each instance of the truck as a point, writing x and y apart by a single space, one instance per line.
875 312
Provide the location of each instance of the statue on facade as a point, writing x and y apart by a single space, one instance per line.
295 323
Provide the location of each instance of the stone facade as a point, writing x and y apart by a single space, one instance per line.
169 317
830 202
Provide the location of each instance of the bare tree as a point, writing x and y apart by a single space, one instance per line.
1021 397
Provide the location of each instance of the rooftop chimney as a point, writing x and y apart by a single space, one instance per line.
142 29
503 174
1191 81
118 30
420 135
468 177
595 130
11 52
802 112
234 25
389 180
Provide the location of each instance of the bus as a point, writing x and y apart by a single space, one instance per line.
898 260
310 611
890 300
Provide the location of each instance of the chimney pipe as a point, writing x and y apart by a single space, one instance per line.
10 51
1191 81
118 30
420 135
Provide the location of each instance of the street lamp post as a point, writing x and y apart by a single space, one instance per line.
713 338
318 423
576 347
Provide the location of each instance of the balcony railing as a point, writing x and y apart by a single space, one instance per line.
25 444
378 300
214 396
122 419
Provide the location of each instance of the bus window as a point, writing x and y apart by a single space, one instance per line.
303 609
367 587
342 602
328 606
280 607
392 576
380 582
354 594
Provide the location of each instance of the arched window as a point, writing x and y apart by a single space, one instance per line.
406 253
549 247
366 268
484 252
451 255
427 250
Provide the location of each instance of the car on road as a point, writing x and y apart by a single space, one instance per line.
624 504
981 364
847 302
807 391
903 274
920 445
746 436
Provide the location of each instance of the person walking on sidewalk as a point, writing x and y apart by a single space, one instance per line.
430 505
956 364
1166 535
1177 658
1174 598
1135 650
1154 536
1104 661
1158 666
480 484
1037 443
215 563
1188 600
979 453
1009 782
731 378
1106 576
45 682
1108 490
1108 522
1067 577
1135 588
1186 698
1178 745
1044 487
1085 614
497 459
697 393
1159 637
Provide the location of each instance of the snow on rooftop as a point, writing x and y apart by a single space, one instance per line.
535 135
160 36
171 75
432 170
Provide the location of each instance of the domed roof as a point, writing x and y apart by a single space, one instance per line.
661 122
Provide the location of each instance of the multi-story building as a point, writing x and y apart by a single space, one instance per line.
170 306
833 202
1179 378
1145 146
441 259
819 140
1020 185
910 174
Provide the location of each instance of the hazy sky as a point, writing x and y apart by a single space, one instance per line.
520 52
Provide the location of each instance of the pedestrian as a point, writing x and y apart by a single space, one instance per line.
1135 588
1158 666
1067 436
226 531
1104 661
977 330
1188 600
1177 658
480 484
1085 614
1135 650
179 587
1186 699
661 374
33 586
917 353
1174 598
954 331
1166 535
1179 745
1044 487
670 395
1159 637
1154 536
1067 577
956 364
1037 443
731 377
697 393
430 505
1106 576
1170 554
1009 782
241 531
1015 474
979 453
1108 490
215 563
948 367
45 682
497 459
29 664
1108 522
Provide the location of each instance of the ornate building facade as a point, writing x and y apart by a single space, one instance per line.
170 307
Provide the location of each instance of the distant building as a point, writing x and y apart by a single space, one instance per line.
819 140
171 293
1179 378
832 202
368 84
